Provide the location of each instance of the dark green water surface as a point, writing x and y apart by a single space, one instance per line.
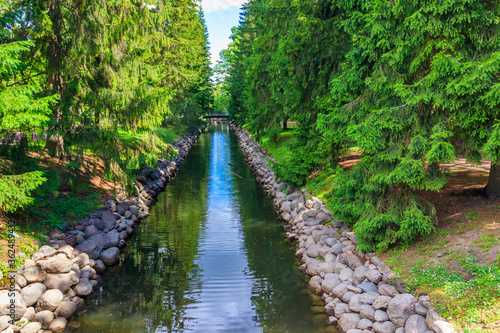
212 257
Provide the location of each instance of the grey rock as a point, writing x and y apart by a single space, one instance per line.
359 274
365 324
355 330
368 287
315 284
349 321
6 305
382 302
32 293
346 274
30 313
400 330
44 317
20 280
89 247
367 312
81 260
108 219
83 288
99 266
101 240
416 324
353 261
34 274
368 298
355 303
383 268
340 290
61 281
380 315
58 324
432 316
328 284
33 327
374 275
50 300
441 326
400 308
387 290
340 309
421 310
110 256
55 265
346 298
337 248
91 230
66 309
4 322
385 327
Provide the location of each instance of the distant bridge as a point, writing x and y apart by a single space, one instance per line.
216 116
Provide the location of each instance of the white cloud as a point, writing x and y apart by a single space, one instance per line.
213 5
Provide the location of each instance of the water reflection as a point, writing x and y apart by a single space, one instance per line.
210 258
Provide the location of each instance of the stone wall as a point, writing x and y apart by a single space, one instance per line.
361 294
53 284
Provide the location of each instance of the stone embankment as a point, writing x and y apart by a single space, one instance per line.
360 292
53 284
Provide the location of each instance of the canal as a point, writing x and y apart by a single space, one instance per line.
212 257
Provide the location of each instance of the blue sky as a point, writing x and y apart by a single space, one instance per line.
220 16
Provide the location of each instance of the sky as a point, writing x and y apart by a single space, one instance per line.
220 17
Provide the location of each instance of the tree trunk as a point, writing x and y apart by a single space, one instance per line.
55 145
492 189
285 124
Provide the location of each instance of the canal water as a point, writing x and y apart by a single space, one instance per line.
212 257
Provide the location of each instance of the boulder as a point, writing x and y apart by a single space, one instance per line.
66 309
81 260
328 284
58 324
441 326
33 327
89 247
101 241
359 274
387 290
114 238
55 265
44 317
108 219
50 300
349 321
382 302
416 324
32 293
400 308
90 231
61 281
374 275
7 307
83 288
380 315
34 274
384 327
110 256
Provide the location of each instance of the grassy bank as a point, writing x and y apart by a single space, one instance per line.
75 185
459 264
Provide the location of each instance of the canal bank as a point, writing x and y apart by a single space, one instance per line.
360 293
53 284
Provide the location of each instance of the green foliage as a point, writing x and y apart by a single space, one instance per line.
15 190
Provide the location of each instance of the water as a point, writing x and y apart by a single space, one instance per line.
212 257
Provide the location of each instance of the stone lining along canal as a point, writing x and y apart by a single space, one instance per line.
212 257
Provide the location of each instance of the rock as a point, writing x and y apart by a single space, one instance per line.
385 327
89 247
32 293
81 260
4 322
58 324
109 220
45 317
33 327
387 290
18 308
355 330
83 288
355 303
380 315
61 281
340 290
425 301
114 238
400 308
340 309
337 248
110 256
349 321
66 309
20 280
50 300
368 287
55 265
365 324
99 266
416 324
328 284
30 313
366 311
368 298
34 274
382 302
101 241
374 275
432 316
90 231
315 284
359 274
353 261
346 274
346 298
441 326
421 310
330 308
400 330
